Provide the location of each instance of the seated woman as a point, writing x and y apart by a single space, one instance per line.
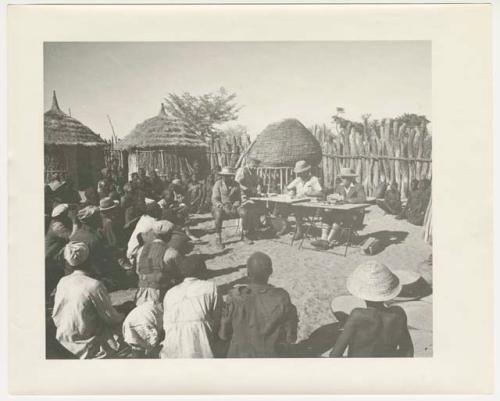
391 204
348 191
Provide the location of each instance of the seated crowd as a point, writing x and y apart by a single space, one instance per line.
135 233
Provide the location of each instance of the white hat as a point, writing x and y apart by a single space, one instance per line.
373 281
301 166
60 209
76 253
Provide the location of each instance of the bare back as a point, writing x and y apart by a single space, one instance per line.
375 333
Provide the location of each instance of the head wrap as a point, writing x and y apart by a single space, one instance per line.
60 209
162 227
76 253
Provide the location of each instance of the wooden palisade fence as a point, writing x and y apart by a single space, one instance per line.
392 150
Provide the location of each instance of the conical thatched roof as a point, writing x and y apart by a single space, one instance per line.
61 129
160 132
283 143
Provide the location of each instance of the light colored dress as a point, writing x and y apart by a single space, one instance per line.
144 225
142 326
191 311
84 317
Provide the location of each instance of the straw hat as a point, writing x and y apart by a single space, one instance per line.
227 171
347 172
60 209
301 166
107 204
373 281
76 253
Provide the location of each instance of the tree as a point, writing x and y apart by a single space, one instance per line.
201 114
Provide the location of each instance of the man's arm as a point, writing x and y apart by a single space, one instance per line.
360 195
226 329
315 189
345 338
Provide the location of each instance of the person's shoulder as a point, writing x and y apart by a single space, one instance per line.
398 311
280 293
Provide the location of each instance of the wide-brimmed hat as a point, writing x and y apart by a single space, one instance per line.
301 166
227 171
373 281
60 209
76 253
107 204
347 172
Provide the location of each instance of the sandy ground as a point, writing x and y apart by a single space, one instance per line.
314 278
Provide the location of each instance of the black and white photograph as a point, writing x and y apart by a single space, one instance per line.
238 200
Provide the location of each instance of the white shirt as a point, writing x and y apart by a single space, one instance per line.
84 316
142 326
144 225
189 319
305 188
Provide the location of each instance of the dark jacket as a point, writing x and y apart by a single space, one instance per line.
260 320
356 193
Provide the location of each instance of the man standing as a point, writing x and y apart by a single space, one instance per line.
259 320
87 323
376 331
191 314
250 185
226 204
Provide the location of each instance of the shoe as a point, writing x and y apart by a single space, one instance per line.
219 244
322 244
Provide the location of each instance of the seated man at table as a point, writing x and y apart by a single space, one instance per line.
226 204
349 191
304 185
376 331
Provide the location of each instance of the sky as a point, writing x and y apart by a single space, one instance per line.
272 80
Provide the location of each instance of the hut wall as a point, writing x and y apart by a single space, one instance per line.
171 161
54 161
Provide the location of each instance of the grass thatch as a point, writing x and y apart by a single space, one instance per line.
160 132
283 143
61 129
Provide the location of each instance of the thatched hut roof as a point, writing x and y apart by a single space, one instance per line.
61 129
283 143
159 132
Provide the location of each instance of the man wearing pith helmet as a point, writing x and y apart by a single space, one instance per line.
376 331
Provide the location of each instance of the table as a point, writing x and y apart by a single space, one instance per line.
316 206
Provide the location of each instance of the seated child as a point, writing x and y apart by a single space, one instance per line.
376 331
